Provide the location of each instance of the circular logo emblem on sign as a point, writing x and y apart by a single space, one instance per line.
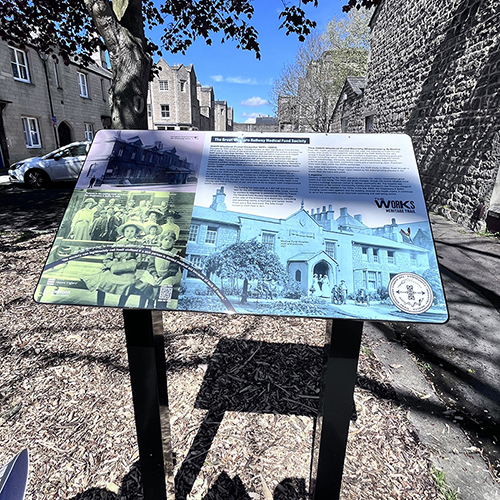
410 293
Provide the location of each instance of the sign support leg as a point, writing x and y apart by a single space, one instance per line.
330 445
145 348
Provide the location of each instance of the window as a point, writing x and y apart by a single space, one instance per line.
104 90
56 74
197 260
364 254
82 82
31 132
89 132
375 255
298 275
193 232
413 259
19 63
211 236
182 85
268 241
372 280
163 84
330 248
390 257
165 111
150 114
368 124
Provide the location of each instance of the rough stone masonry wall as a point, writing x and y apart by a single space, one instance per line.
435 74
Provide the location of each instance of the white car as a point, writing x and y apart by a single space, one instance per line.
63 164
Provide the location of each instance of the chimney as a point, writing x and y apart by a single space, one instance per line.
219 200
359 218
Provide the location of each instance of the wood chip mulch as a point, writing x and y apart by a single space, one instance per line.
243 395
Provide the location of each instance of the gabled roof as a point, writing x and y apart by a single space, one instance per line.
357 83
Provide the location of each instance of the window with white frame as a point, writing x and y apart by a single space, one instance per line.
375 255
31 132
165 111
193 232
391 257
372 280
163 84
268 241
89 132
330 248
197 260
82 82
19 64
211 237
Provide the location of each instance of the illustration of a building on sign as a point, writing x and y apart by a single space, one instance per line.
317 249
131 162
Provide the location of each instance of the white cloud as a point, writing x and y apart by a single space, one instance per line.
234 79
240 79
255 102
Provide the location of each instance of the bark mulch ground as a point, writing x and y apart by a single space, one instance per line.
243 395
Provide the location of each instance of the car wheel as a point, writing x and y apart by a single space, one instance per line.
35 178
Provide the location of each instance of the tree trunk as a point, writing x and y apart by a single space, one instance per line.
244 295
122 28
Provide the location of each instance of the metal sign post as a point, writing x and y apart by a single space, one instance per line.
146 355
344 337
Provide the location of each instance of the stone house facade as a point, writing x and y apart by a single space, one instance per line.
434 74
177 101
362 256
45 104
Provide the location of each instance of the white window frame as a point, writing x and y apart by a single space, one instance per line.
211 236
268 240
89 131
193 232
31 132
82 83
20 65
165 113
163 84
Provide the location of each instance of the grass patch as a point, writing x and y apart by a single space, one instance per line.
439 479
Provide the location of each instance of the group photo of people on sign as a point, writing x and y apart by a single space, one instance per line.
153 225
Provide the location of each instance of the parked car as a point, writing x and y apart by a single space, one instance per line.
63 164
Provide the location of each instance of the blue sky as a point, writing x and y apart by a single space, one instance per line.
236 75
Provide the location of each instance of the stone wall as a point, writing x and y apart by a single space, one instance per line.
434 74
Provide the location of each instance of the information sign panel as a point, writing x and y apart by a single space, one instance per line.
316 225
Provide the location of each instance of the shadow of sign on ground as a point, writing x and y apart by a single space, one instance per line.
258 377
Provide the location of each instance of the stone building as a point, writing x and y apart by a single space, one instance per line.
362 256
177 101
262 124
45 104
348 112
434 74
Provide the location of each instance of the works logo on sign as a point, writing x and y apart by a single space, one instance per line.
399 206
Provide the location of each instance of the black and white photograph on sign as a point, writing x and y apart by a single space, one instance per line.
124 159
312 225
120 249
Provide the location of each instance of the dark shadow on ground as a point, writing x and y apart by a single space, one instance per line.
33 209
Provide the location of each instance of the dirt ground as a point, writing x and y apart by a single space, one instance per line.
65 395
